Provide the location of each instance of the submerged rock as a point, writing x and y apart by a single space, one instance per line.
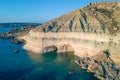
71 73
16 51
10 47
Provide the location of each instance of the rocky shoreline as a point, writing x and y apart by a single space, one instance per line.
103 67
13 34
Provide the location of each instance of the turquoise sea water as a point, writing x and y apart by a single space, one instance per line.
29 66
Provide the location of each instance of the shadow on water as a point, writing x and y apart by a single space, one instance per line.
56 66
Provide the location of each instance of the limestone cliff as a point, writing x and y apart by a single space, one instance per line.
86 32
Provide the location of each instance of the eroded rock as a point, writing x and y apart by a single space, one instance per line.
50 49
102 65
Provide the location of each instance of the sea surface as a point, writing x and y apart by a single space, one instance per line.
26 65
4 29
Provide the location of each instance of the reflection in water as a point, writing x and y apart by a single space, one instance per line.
56 66
51 57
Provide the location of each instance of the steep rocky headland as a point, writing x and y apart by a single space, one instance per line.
92 33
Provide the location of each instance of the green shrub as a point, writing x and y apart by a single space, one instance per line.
104 11
114 23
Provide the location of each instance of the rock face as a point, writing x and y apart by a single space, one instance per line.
86 32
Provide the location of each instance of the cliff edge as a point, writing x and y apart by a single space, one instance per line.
86 32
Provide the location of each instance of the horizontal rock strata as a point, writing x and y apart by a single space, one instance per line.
87 32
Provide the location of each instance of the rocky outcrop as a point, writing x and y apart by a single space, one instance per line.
13 34
101 64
